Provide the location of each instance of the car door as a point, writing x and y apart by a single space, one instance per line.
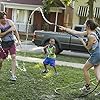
64 40
76 45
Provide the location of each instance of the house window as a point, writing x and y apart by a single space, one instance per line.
97 12
83 11
31 19
20 16
97 20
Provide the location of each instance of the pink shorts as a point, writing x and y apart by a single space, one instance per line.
5 51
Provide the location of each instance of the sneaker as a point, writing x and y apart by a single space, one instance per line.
85 88
13 78
96 94
10 71
56 73
45 71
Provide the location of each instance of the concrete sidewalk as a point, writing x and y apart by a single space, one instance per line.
28 46
60 63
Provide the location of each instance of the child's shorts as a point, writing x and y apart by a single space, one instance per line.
50 61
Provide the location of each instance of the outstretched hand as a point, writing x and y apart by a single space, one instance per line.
62 28
19 43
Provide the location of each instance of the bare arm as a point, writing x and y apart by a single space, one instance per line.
73 31
15 31
45 49
91 40
4 33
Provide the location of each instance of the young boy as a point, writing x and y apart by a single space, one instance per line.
50 50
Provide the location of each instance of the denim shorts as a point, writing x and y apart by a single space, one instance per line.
5 51
95 57
50 61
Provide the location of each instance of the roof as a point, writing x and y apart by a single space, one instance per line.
56 3
30 2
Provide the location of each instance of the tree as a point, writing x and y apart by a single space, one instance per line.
48 3
52 3
91 6
67 2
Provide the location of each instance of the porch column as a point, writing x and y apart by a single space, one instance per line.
2 6
56 21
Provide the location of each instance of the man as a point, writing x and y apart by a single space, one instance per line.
7 32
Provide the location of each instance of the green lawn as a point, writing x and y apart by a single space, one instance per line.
59 57
33 85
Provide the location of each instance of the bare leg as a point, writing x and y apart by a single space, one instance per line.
97 72
56 73
55 69
1 61
87 66
45 66
13 64
45 71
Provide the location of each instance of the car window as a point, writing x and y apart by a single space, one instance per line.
78 28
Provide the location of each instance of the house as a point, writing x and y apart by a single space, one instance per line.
20 10
81 12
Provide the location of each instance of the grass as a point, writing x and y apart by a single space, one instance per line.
59 57
33 85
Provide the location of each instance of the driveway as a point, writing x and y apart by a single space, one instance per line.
28 46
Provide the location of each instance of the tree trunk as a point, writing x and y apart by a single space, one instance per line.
68 17
91 3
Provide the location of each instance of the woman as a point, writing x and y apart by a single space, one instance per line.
93 46
7 31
